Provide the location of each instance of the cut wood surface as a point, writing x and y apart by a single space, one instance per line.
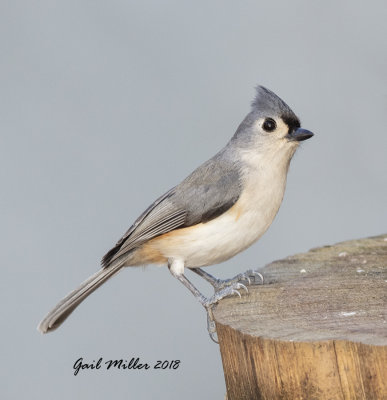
316 328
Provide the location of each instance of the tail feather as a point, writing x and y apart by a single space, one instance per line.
66 306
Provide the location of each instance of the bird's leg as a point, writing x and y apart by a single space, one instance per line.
219 284
181 277
215 282
176 268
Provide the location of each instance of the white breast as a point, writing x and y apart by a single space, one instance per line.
235 230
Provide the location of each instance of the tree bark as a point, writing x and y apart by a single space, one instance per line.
316 329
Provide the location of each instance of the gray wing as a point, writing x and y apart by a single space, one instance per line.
205 194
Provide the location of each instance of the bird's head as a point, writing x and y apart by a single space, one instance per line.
271 126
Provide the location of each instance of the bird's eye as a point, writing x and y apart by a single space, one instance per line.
269 125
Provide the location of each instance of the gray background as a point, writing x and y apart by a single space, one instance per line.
105 106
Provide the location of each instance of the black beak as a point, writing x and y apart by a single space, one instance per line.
300 134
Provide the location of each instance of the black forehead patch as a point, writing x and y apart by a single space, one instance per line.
291 121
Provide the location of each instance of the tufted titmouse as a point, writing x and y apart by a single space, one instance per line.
219 210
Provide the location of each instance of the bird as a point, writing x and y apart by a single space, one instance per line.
219 210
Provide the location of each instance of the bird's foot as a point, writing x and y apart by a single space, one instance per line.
229 290
211 326
208 303
248 277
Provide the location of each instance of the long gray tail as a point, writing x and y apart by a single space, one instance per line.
65 307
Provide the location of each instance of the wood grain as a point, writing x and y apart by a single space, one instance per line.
317 328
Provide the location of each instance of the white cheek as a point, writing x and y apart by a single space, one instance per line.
282 128
280 132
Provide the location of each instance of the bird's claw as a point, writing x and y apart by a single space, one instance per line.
255 274
211 326
229 290
225 288
208 303
245 276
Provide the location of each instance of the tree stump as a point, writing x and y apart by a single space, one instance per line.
316 328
